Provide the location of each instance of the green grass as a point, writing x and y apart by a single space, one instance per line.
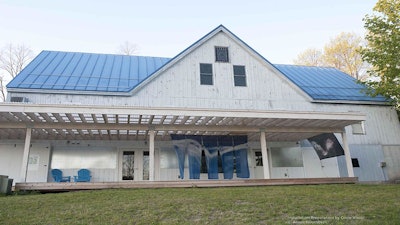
318 204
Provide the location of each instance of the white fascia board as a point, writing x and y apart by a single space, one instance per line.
176 59
352 102
129 110
68 92
264 61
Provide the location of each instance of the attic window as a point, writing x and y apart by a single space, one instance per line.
18 99
221 54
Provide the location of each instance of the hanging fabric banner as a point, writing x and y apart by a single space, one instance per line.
180 149
326 145
232 155
226 152
242 167
211 152
194 150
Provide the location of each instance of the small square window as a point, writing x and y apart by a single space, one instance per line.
206 75
239 75
355 162
221 54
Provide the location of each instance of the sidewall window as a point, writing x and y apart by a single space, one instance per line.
206 74
239 75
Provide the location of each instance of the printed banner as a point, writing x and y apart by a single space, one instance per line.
326 145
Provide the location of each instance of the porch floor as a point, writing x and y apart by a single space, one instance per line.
59 187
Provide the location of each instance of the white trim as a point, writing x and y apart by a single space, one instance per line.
68 92
264 61
352 102
151 155
264 155
346 149
25 157
177 58
131 110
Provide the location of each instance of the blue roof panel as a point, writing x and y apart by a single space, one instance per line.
52 70
326 83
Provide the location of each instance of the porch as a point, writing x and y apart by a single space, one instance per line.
61 187
77 123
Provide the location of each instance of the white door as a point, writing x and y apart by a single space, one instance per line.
134 164
38 164
314 167
258 168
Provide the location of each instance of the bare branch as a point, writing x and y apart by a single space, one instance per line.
127 48
2 89
310 57
13 58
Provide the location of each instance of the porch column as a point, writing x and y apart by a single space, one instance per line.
25 156
151 155
264 155
347 155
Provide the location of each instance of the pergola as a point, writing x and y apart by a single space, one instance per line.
95 122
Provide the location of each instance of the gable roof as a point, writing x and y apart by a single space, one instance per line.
90 73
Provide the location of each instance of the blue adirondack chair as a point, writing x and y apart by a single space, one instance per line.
83 176
58 176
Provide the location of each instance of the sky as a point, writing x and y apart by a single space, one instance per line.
279 30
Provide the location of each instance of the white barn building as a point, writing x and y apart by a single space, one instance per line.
217 110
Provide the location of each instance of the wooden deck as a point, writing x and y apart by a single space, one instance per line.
59 187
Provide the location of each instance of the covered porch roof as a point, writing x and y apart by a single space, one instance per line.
94 122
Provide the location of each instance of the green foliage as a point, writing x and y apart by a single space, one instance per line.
342 53
383 50
306 204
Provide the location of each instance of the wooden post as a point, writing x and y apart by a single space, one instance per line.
151 155
264 155
25 157
347 155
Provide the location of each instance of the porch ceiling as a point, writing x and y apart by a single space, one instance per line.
78 122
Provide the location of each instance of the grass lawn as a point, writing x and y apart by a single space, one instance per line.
307 204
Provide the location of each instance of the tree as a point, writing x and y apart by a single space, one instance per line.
342 52
13 58
128 48
310 57
383 50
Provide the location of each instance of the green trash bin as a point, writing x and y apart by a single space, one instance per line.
3 184
9 186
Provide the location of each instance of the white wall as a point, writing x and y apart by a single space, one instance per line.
11 161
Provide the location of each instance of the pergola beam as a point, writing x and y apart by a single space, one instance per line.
126 110
166 127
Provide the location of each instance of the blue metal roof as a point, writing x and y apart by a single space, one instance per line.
74 71
327 83
71 71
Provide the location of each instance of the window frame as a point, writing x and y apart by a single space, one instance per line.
217 55
237 78
206 74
